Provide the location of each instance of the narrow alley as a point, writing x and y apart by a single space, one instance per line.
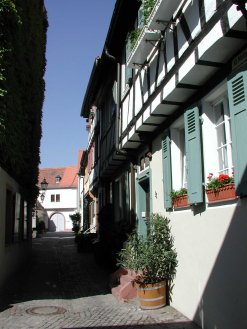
60 288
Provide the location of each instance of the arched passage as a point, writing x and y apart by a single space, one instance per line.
57 223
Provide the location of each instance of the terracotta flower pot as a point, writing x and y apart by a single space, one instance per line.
224 193
152 296
180 202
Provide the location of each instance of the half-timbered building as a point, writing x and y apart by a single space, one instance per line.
170 88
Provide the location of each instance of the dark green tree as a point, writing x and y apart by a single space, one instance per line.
23 27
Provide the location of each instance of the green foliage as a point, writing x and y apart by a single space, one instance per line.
176 194
129 256
153 258
133 35
76 222
148 6
216 182
40 226
22 66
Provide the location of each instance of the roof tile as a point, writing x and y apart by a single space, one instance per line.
68 177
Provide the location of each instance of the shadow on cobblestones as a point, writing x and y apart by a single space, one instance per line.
55 271
60 289
173 325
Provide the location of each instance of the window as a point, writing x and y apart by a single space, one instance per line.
57 179
9 217
25 225
106 115
92 212
223 135
144 162
55 197
182 158
17 216
178 155
121 197
185 157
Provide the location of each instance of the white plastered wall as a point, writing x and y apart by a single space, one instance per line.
67 205
211 246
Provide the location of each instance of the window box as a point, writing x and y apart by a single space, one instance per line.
223 193
180 202
143 46
179 198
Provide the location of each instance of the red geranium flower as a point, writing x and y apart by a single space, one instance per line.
223 177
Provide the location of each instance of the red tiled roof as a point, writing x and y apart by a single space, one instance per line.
68 177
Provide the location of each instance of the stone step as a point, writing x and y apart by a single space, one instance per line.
126 278
122 285
124 292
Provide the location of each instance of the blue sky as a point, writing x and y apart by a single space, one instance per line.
76 36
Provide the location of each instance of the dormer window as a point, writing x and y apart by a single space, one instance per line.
57 179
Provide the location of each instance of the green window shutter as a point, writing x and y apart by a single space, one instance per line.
237 93
193 155
167 176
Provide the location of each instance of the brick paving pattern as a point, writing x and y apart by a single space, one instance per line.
61 289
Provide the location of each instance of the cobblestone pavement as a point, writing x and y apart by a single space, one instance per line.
61 289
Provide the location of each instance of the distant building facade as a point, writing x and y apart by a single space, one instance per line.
89 171
61 197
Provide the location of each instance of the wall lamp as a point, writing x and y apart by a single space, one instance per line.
44 186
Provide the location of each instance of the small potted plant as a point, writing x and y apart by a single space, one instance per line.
76 222
220 188
179 198
153 259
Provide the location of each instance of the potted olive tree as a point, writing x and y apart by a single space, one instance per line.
153 259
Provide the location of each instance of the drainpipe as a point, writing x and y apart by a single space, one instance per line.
118 151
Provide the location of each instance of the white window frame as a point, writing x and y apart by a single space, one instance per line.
146 166
228 168
178 155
